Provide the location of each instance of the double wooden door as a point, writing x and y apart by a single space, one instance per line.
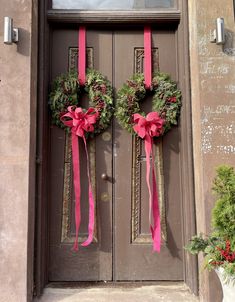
122 248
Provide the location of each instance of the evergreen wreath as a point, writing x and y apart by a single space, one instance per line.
166 100
66 91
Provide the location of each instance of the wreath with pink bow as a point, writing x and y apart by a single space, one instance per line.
66 92
166 104
67 113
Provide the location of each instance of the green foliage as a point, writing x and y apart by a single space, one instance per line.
229 269
223 213
66 92
219 247
128 101
166 100
198 244
63 94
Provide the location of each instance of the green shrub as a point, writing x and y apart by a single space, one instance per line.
219 246
223 213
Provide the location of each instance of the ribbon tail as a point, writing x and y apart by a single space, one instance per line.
156 229
91 203
148 150
77 186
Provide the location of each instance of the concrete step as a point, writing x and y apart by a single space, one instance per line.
120 292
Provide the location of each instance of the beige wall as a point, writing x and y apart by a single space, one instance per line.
213 116
213 108
17 124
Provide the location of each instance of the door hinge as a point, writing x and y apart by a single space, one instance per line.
38 160
34 290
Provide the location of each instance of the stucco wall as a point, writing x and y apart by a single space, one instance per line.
17 117
213 116
213 110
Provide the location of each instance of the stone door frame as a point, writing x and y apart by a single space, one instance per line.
47 19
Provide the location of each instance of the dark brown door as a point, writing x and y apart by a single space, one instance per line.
122 247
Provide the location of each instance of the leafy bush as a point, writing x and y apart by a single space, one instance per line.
223 213
219 246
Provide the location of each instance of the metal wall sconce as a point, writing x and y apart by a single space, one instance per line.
218 34
10 34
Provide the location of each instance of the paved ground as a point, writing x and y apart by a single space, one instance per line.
172 292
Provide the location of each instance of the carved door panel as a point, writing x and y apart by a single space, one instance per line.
122 248
134 259
95 261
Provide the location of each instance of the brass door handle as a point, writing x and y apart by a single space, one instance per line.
104 176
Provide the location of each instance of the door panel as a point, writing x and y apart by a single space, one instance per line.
134 259
123 249
95 261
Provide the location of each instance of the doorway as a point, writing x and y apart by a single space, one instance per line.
122 248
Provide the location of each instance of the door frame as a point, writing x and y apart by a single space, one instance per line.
47 19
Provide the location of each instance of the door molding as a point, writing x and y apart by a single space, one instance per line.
187 171
46 19
118 17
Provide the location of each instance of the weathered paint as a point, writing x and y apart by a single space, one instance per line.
213 110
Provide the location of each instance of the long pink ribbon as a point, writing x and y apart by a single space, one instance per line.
77 186
82 55
147 57
156 228
147 128
91 203
81 122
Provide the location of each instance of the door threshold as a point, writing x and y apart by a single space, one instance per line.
116 292
114 284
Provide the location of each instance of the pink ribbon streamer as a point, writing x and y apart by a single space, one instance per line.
82 55
147 57
81 122
147 128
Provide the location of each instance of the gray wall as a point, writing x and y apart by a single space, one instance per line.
213 111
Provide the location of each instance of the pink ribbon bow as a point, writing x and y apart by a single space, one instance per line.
147 128
81 122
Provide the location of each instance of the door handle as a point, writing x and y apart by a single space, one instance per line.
104 176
